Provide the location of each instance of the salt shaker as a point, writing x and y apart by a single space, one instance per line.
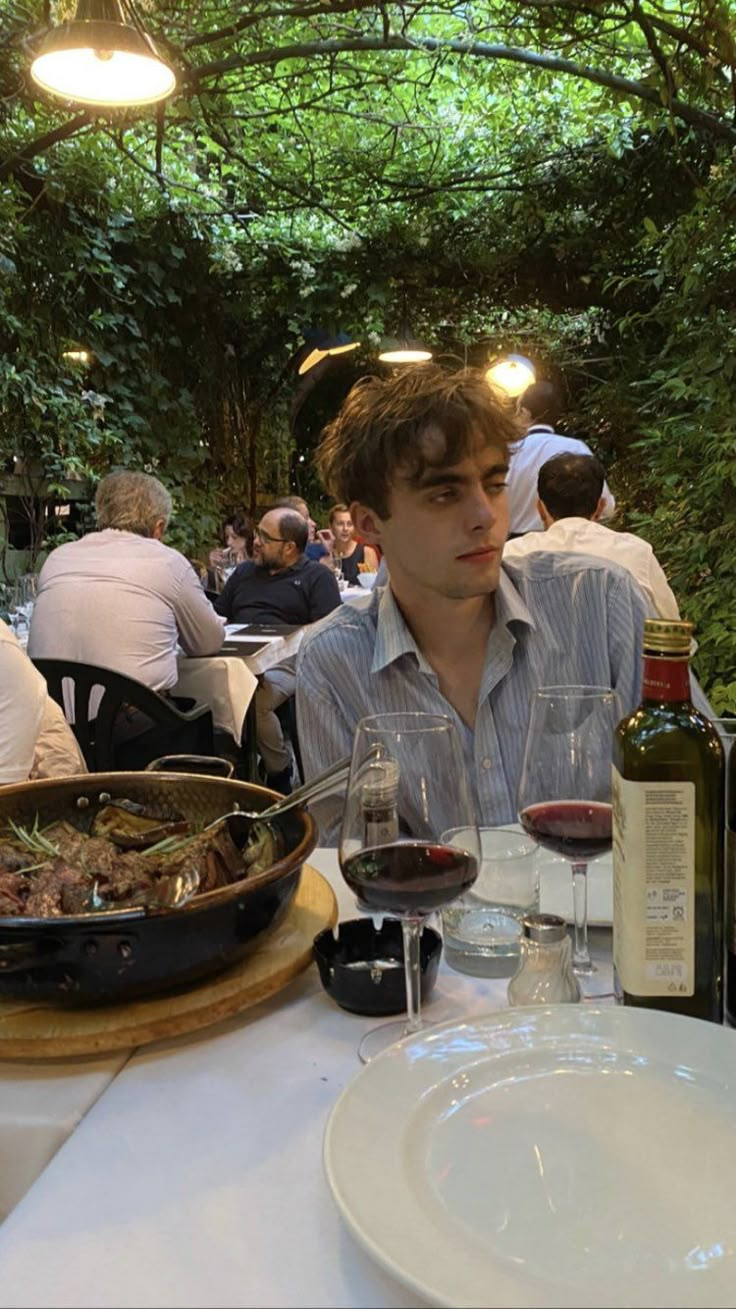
544 975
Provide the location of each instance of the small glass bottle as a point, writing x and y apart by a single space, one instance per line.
379 797
544 975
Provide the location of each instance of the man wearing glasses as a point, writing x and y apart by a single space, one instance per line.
278 586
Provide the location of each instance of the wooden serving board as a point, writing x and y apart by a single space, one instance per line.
42 1031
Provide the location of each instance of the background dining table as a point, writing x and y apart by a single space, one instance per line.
196 1179
227 682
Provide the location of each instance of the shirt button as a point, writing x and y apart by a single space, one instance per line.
485 763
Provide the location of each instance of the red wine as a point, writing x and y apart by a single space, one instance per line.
411 877
577 829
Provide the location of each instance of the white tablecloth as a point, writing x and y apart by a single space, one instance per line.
356 596
227 683
40 1106
196 1180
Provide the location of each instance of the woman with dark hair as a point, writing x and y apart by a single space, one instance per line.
237 548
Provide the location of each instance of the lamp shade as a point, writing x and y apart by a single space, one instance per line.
512 374
404 348
99 59
326 346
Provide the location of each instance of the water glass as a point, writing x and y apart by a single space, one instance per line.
481 931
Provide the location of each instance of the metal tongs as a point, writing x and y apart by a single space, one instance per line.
330 782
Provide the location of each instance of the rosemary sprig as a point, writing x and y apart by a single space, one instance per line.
169 845
34 840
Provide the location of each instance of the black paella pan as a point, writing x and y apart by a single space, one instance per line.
119 955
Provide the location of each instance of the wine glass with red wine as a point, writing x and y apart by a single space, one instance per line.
565 785
407 786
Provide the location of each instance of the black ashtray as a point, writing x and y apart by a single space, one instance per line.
363 967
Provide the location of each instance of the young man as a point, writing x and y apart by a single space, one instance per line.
570 501
422 459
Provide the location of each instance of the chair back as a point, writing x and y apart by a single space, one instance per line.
93 700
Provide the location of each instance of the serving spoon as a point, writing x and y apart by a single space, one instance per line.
169 892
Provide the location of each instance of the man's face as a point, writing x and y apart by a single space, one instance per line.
268 546
342 527
446 532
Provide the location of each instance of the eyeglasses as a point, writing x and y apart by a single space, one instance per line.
266 536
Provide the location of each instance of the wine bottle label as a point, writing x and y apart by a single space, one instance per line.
654 886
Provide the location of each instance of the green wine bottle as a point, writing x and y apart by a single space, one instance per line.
668 840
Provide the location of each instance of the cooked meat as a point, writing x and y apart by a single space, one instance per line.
125 876
13 857
63 885
47 886
69 841
100 858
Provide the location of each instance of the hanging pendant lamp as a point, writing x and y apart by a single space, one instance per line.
511 374
103 58
404 348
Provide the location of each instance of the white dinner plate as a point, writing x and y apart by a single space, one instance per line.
546 1157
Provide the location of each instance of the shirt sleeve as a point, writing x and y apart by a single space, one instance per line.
23 697
324 594
325 735
662 594
627 610
201 630
224 602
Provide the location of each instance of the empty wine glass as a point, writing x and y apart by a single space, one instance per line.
407 786
336 565
565 785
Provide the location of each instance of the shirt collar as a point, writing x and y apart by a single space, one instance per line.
393 638
539 427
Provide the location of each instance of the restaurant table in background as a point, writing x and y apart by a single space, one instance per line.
227 681
197 1178
356 596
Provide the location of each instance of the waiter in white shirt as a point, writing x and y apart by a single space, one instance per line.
541 407
570 502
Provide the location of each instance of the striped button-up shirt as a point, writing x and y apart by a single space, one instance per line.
560 620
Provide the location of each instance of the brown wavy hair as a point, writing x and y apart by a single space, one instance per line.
381 426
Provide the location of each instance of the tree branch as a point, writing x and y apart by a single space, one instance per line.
706 122
41 143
